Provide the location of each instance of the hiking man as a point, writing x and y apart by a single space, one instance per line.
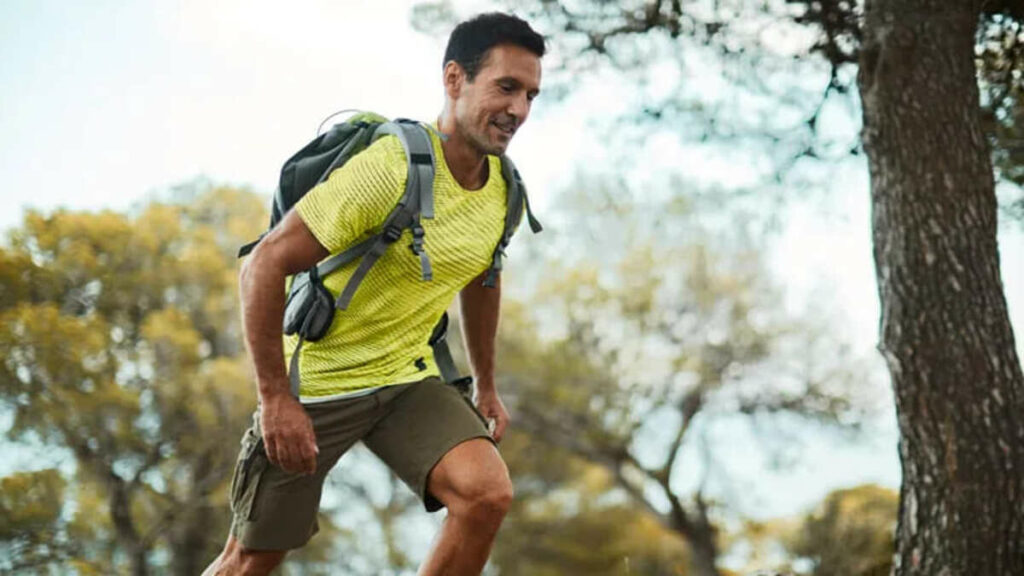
372 378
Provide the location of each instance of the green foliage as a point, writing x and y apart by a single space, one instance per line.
120 341
30 521
1000 61
569 518
30 503
852 533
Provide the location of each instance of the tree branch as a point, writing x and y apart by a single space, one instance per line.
636 493
688 408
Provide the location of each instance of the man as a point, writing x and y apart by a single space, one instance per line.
372 378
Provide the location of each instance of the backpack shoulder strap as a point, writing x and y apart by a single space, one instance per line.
417 200
419 155
516 201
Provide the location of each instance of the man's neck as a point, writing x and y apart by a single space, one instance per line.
466 163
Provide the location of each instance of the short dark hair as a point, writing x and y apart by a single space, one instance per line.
471 40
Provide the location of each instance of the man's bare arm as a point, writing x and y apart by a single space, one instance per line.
289 248
480 309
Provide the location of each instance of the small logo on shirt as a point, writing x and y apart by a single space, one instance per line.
421 364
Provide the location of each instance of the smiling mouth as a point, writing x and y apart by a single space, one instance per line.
507 129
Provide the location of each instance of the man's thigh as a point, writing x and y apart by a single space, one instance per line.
422 425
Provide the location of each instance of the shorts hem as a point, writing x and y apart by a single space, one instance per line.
247 543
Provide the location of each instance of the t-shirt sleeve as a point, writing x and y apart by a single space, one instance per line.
357 197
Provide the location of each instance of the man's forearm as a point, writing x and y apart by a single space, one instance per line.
480 309
262 294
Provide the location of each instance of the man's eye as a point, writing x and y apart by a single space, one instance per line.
506 88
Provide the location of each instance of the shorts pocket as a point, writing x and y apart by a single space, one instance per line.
245 482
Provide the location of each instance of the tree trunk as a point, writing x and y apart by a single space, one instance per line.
189 545
703 552
124 526
698 532
194 537
945 332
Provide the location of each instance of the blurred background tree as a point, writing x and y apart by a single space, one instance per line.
850 534
121 347
660 336
32 532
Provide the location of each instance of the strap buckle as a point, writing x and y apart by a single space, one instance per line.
417 239
464 385
392 232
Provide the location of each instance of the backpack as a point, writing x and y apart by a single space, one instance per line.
310 306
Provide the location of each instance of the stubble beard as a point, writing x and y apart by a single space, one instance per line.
480 141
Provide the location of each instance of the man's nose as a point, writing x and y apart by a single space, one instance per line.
519 108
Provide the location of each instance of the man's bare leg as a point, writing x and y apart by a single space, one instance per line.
236 560
473 483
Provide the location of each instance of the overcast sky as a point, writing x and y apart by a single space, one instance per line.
104 101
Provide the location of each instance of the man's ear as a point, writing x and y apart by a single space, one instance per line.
454 77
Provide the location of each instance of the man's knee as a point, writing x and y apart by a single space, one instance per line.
499 498
473 482
487 502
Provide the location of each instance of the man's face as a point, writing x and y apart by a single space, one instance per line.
490 109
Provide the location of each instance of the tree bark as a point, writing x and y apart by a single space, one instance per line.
696 528
703 550
124 525
189 538
189 546
945 332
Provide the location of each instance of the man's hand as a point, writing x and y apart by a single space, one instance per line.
491 407
288 434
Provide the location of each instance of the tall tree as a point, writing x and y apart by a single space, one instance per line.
945 331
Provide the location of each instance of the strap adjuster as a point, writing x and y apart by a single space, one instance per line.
464 385
417 239
392 233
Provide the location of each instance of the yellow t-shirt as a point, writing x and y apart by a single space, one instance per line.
380 339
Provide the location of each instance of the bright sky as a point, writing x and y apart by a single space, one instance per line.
104 101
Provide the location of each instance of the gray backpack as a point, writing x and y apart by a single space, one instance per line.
310 306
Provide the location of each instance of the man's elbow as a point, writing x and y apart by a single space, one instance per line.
254 270
246 278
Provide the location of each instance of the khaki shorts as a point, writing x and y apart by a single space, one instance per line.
409 426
